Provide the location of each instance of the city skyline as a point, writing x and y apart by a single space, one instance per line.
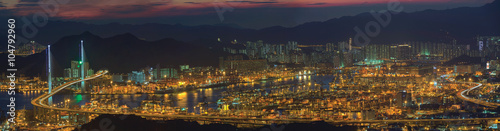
250 65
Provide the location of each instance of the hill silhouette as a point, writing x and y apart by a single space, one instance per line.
461 24
119 54
136 123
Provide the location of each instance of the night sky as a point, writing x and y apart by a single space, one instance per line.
248 14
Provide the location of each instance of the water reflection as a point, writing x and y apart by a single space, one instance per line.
187 99
182 99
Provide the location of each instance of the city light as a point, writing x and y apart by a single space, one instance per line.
308 75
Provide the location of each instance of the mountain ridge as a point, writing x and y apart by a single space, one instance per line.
122 53
462 24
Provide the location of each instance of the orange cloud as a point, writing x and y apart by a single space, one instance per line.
99 9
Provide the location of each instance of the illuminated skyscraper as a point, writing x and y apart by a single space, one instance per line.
75 69
489 46
404 52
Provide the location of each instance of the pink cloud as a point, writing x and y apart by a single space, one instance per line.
101 9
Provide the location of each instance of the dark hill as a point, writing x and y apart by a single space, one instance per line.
462 24
136 123
119 54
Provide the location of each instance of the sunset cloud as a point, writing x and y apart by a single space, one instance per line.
121 9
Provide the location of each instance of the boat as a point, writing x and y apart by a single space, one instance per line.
216 85
164 91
